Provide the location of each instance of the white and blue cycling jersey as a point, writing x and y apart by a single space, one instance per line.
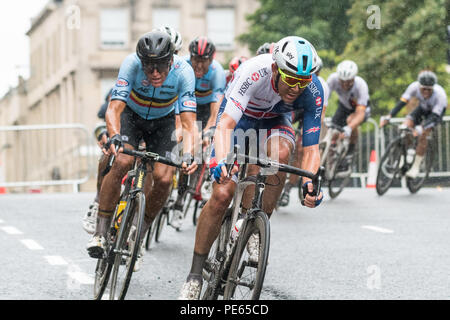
133 87
252 96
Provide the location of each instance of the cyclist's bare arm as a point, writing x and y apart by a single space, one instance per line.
190 138
214 110
112 118
178 128
360 113
311 162
222 141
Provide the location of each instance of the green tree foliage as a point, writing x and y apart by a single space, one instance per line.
411 37
324 23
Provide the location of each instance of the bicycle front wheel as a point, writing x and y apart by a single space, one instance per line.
248 267
339 179
127 248
389 167
414 184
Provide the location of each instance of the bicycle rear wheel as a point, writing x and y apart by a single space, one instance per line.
127 248
389 167
214 263
246 275
414 184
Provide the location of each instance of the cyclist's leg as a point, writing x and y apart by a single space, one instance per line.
155 136
279 148
110 187
208 228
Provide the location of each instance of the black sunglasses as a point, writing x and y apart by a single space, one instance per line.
160 66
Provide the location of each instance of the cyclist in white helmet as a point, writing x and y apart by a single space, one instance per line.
263 93
175 37
353 106
432 105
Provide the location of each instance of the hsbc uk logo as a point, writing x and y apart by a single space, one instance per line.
261 73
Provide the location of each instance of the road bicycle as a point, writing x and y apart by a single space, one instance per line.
229 270
395 161
123 237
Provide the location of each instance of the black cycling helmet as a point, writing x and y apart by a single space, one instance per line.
427 78
155 45
267 47
202 47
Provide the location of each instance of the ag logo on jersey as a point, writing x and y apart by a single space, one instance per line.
121 82
145 82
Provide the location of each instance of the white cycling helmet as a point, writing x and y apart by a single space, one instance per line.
297 55
347 70
175 36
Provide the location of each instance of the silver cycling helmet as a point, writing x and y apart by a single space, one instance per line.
347 70
175 36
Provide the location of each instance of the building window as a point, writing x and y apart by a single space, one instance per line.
220 22
166 17
114 28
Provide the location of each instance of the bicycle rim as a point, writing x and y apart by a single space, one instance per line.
214 263
246 277
126 257
337 184
388 168
102 273
160 222
414 184
104 266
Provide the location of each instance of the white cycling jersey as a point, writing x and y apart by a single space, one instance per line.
326 90
436 103
357 95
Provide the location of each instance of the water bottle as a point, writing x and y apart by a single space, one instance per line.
410 154
236 228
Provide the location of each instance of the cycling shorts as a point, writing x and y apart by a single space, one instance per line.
158 134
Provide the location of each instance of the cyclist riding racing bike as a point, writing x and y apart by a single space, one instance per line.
353 106
432 105
209 90
263 93
150 81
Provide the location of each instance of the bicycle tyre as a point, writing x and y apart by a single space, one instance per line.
393 154
104 266
336 185
215 261
415 184
136 209
257 225
150 235
160 222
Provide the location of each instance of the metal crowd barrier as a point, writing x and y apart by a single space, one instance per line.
41 151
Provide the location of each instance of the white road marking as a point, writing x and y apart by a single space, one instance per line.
378 229
81 277
56 260
31 244
11 230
